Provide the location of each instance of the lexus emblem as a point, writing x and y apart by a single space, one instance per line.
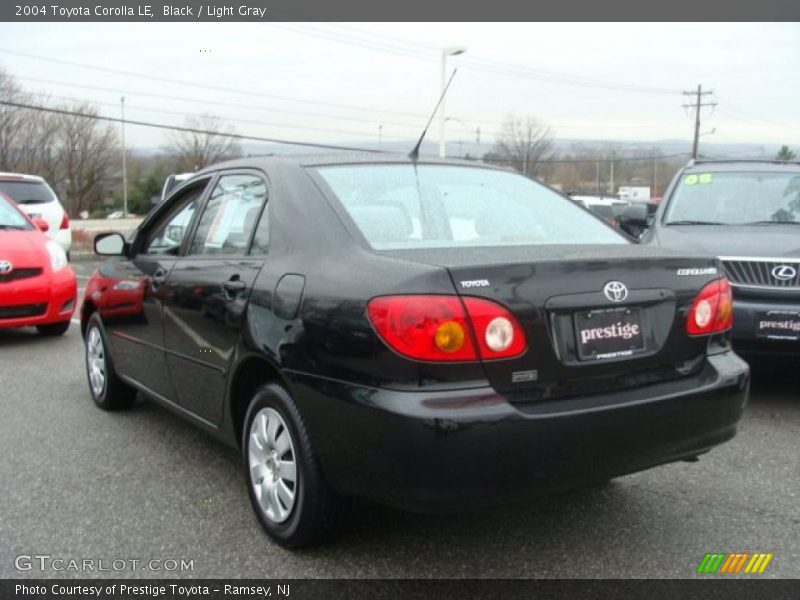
5 267
616 291
782 272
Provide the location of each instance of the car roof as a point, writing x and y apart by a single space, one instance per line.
20 177
339 158
742 165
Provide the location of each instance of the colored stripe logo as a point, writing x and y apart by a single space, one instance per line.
734 563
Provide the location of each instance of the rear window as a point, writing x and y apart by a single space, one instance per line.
436 206
27 192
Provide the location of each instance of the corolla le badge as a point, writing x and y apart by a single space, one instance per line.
782 272
616 291
5 267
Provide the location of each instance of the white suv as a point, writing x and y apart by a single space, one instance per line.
34 197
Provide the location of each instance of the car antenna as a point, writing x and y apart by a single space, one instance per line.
414 154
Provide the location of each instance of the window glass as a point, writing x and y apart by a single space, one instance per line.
230 215
10 217
169 234
27 191
736 198
433 206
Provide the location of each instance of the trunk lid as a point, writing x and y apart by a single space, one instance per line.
580 339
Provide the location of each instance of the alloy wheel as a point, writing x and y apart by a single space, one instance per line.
273 466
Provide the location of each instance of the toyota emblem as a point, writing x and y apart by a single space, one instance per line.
782 272
616 291
5 267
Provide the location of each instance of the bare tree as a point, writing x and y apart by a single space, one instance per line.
524 144
89 157
209 143
10 121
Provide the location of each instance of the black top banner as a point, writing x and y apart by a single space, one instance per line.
407 10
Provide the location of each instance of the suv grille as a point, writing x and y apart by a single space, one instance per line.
763 273
20 274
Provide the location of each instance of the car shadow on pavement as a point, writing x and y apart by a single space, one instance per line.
28 336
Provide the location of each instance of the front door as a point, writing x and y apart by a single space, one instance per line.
208 291
132 307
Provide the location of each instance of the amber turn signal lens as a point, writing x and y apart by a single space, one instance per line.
449 336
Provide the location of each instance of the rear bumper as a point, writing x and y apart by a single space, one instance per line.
63 237
39 300
745 318
445 450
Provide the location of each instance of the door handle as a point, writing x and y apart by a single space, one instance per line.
158 278
234 285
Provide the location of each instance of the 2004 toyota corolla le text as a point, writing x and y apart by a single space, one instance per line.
322 313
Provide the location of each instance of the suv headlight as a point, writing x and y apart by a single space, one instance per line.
58 258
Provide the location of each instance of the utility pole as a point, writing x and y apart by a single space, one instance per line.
449 51
697 105
478 142
655 176
613 160
380 136
597 177
124 161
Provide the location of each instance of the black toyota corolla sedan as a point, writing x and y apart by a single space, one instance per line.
431 334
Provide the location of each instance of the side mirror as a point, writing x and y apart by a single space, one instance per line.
109 244
633 219
41 224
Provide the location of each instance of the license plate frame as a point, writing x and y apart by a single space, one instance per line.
776 331
605 322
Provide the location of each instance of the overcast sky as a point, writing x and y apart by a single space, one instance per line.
341 82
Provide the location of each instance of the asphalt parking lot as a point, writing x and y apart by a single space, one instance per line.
76 482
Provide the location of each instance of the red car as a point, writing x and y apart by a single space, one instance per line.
37 285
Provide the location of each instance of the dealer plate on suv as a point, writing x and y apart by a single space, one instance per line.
778 325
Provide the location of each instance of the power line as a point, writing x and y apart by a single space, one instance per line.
184 114
195 100
214 88
237 136
479 64
261 108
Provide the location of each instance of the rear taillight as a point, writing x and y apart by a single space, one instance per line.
443 328
712 309
498 333
64 221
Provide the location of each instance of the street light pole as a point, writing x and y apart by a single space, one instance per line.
124 161
449 51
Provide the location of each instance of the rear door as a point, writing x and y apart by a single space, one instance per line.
208 290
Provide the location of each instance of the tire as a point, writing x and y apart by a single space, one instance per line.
108 391
54 329
268 455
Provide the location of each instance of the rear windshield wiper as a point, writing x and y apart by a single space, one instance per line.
772 223
14 227
694 223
